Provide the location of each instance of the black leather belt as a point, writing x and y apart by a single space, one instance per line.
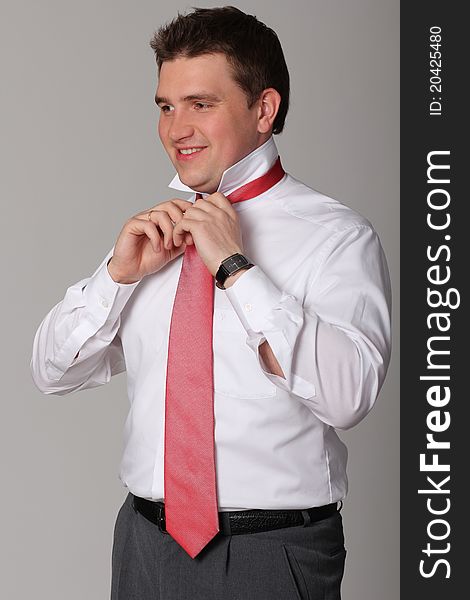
243 521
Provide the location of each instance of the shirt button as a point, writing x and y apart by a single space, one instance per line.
248 307
104 303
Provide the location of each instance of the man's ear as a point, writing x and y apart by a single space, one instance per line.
268 106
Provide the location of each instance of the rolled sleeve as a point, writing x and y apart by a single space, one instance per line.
333 346
270 314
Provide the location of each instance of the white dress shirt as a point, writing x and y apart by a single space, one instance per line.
319 293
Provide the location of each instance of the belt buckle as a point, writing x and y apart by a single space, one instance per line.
161 518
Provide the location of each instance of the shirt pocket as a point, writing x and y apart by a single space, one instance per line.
237 371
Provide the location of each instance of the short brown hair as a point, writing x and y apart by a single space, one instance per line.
252 49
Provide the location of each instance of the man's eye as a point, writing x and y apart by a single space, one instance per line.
166 108
201 105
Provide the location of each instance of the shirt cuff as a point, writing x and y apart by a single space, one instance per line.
104 297
253 296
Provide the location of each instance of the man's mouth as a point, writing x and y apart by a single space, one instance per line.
188 153
190 150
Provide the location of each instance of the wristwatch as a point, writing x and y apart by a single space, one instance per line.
229 266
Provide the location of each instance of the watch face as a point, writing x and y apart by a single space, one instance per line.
230 265
234 262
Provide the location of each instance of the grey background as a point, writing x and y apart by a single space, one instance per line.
79 155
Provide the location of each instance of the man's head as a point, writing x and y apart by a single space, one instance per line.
223 90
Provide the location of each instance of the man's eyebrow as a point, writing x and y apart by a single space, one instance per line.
161 100
202 96
197 96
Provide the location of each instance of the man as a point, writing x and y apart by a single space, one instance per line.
234 468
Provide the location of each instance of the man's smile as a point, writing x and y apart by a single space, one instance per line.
189 153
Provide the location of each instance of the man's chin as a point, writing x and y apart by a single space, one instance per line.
197 184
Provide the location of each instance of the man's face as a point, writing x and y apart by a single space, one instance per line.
205 124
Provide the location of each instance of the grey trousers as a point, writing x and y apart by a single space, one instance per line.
293 563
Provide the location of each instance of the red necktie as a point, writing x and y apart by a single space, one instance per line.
191 510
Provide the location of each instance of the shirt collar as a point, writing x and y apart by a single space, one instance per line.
250 167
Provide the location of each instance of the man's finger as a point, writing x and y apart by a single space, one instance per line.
175 208
219 200
198 213
182 229
183 204
163 221
204 205
139 227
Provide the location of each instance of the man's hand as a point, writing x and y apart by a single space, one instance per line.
214 227
146 245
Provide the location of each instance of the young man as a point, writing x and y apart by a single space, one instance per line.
234 469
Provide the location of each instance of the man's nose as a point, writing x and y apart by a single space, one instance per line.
180 127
